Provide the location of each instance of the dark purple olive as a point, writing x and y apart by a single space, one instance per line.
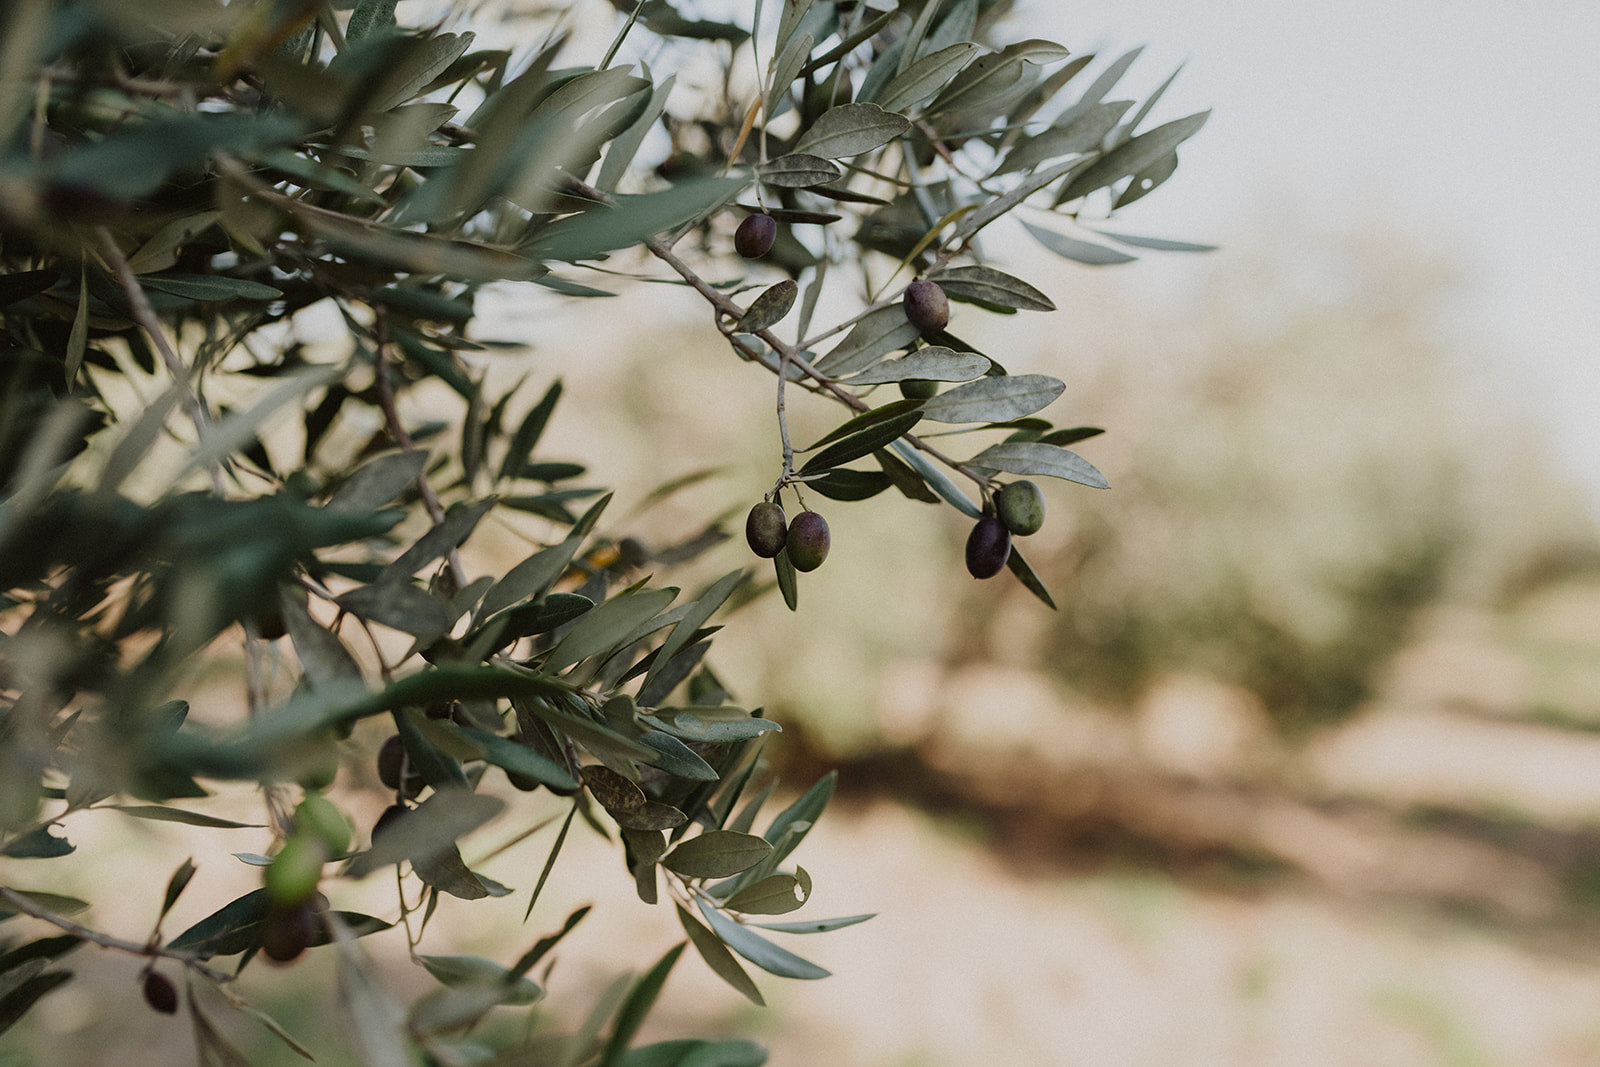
766 529
392 763
160 993
288 931
808 541
1020 506
988 547
755 235
927 308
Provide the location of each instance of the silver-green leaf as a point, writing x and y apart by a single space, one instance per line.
994 399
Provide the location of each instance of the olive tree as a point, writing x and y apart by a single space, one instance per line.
245 410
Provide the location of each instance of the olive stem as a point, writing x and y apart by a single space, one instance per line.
391 417
26 906
787 354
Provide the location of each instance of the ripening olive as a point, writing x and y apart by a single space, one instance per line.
160 993
319 817
391 761
1020 506
988 547
755 235
294 872
919 388
287 931
808 542
927 308
766 528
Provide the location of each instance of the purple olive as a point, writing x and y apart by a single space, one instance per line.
927 308
808 541
766 529
160 993
753 239
988 547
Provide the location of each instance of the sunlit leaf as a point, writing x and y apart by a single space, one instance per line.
1033 457
850 130
994 399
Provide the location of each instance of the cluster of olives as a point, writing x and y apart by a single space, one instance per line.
293 920
805 540
1018 510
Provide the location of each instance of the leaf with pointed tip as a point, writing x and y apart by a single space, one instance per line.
878 333
816 926
992 286
633 219
1086 132
933 363
799 170
994 399
1134 155
1086 252
850 130
717 957
600 631
936 480
400 606
1030 581
1159 244
717 854
757 949
1037 458
863 442
926 76
378 481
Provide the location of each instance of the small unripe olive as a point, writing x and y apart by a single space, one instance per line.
294 872
160 993
766 529
808 541
927 308
392 762
1020 506
919 388
318 817
988 547
755 235
288 931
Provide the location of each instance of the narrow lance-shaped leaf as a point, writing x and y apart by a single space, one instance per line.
879 332
994 399
757 949
850 130
926 76
717 957
1034 457
935 363
993 286
1135 155
799 170
1085 252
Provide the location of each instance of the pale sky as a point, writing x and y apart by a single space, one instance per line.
1465 124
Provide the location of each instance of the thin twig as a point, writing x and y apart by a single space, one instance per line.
145 316
397 429
22 903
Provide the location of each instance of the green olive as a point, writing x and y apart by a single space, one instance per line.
1020 506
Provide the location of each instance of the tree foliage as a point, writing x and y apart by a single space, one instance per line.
245 403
